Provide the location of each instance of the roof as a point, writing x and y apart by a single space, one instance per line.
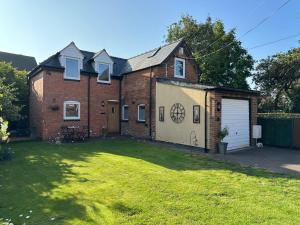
21 62
121 66
204 87
151 58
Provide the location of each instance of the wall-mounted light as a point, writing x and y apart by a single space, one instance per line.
219 106
102 104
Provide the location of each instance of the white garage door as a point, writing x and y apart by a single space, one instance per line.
235 116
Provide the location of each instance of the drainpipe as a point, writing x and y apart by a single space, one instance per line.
205 122
150 103
120 104
88 96
166 65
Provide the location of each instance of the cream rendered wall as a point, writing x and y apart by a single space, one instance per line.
169 131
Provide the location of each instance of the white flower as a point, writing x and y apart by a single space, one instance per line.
30 211
21 215
52 218
27 217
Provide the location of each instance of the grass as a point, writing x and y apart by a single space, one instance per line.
126 182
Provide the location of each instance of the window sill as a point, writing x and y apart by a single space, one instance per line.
69 79
183 77
102 82
141 121
124 121
71 119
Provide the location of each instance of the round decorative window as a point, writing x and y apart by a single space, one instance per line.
177 113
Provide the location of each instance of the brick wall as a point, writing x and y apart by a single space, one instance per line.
101 93
36 86
57 90
215 115
136 90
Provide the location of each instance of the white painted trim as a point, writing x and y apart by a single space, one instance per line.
72 44
139 113
74 117
109 71
65 65
182 60
123 112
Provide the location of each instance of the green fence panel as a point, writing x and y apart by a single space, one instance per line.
277 132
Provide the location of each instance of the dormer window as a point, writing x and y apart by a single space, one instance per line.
179 68
72 69
103 73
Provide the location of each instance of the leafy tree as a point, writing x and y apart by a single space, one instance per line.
277 77
219 54
13 92
10 111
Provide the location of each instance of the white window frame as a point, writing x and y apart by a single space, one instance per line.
123 107
78 70
183 61
73 117
138 115
109 71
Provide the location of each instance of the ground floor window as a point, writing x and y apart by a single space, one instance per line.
161 113
196 113
125 112
71 110
141 113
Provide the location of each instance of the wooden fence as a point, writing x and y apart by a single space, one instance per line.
281 132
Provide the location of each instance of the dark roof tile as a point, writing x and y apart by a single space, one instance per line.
21 62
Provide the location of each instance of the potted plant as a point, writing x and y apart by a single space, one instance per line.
222 146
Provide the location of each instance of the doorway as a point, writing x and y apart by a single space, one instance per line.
113 117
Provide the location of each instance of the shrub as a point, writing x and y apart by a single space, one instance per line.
223 133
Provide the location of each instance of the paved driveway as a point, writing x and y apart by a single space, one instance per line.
273 159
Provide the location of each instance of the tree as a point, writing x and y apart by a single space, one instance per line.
10 111
13 92
277 77
222 59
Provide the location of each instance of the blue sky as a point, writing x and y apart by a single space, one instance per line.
126 28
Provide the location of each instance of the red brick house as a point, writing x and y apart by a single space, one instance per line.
106 93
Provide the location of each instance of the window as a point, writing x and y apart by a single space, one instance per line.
72 69
125 112
161 113
196 113
141 113
71 110
179 68
103 73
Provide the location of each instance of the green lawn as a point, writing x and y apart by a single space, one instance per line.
126 182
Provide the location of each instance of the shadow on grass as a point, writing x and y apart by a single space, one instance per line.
39 167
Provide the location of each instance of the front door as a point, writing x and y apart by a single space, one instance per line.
113 117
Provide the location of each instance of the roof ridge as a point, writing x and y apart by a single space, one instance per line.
162 46
87 51
117 57
17 54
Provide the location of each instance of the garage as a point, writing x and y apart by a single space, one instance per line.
200 113
235 116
